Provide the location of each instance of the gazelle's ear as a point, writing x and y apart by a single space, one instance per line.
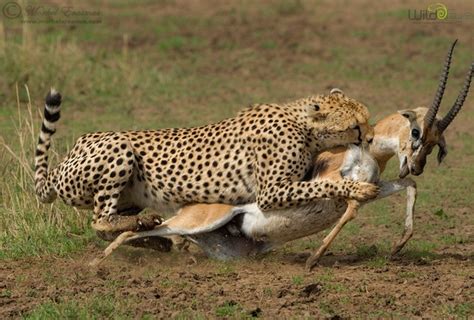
443 150
409 114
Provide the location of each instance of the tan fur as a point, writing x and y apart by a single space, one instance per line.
260 155
398 127
198 216
328 165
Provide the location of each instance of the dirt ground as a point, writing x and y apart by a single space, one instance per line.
433 277
167 284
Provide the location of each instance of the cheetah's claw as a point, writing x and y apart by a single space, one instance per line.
363 191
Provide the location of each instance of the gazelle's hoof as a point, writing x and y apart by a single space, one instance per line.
311 262
94 263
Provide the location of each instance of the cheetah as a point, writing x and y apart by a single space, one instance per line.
226 232
261 155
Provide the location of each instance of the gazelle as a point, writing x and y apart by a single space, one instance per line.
224 231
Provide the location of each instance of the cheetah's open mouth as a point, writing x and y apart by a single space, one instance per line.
359 136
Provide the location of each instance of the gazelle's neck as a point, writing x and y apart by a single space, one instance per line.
386 141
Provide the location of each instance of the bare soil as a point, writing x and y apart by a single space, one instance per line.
165 284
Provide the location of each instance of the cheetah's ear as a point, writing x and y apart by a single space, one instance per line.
336 91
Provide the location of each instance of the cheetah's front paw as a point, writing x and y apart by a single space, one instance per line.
363 191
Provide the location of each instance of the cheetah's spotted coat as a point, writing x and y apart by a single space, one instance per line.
260 155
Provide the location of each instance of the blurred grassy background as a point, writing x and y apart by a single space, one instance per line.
170 63
185 63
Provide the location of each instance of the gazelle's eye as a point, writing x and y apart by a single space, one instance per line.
415 133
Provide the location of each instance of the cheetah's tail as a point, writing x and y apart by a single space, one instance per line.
43 184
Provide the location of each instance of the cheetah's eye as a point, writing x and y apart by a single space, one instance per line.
316 107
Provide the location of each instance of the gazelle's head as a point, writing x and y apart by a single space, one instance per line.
426 130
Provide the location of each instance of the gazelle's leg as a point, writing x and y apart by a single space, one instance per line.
114 245
132 238
127 227
387 188
350 213
410 211
136 229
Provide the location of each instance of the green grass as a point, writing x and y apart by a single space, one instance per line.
327 309
450 239
420 250
5 293
93 307
326 276
461 310
384 215
223 268
28 228
377 262
366 251
268 292
230 309
51 240
297 280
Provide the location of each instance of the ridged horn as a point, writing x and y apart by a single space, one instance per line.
431 114
449 117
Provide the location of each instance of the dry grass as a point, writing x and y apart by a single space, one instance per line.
28 227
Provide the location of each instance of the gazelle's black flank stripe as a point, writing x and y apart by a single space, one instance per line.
43 183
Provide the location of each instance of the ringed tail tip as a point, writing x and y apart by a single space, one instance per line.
53 98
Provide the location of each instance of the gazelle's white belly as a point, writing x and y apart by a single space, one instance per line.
279 226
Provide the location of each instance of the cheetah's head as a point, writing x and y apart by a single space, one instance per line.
336 120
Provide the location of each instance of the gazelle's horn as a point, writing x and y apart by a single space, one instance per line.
443 124
431 114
